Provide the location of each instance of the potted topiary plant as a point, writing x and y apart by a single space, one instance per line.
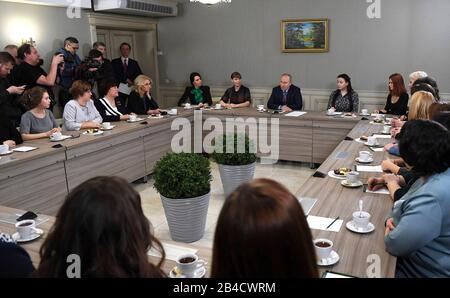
235 154
183 181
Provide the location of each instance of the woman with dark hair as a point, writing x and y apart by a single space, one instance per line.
237 96
262 233
15 262
196 94
418 228
39 121
344 98
102 222
430 82
109 105
397 100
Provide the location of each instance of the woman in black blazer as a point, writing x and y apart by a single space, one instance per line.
197 94
141 101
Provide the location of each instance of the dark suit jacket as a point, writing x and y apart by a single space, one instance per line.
133 70
189 97
294 98
136 103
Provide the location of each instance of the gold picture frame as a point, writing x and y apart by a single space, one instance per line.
304 36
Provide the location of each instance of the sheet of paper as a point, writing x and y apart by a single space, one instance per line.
24 149
123 88
383 191
307 204
321 223
375 169
172 251
295 114
377 149
382 136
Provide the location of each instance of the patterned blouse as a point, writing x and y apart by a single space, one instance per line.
346 103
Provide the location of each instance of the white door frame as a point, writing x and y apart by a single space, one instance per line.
119 22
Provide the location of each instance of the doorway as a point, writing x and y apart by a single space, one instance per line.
139 32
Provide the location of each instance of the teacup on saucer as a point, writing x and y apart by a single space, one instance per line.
331 260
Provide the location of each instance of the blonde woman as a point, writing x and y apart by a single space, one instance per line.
141 101
421 102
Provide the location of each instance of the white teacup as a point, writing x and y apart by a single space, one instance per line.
331 111
218 106
260 107
189 264
4 148
365 111
361 219
25 228
371 141
323 248
173 112
106 125
187 105
133 117
352 177
57 135
365 155
386 129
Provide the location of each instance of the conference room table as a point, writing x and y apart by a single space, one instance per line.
33 247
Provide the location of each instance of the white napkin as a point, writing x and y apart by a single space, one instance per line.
376 169
377 149
383 191
321 223
24 149
382 136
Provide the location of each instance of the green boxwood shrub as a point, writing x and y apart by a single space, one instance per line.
182 175
221 156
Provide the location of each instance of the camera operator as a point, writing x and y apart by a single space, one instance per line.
93 70
67 71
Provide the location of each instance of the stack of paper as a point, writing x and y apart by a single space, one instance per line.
295 114
375 169
24 149
321 223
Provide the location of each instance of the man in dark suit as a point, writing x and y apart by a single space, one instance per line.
125 69
285 97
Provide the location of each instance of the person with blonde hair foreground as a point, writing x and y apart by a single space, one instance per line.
262 233
141 101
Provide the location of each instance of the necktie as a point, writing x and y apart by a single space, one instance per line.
284 97
125 67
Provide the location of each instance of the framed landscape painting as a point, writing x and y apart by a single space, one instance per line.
304 36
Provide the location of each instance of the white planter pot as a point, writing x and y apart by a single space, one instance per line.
186 217
233 176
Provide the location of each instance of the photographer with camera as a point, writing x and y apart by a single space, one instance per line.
30 73
93 70
67 70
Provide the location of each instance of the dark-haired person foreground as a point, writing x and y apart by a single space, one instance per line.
197 93
418 228
102 222
15 262
262 233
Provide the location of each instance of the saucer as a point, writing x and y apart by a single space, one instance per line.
60 140
86 133
364 161
198 274
351 185
373 145
7 152
352 227
36 234
137 120
109 128
331 260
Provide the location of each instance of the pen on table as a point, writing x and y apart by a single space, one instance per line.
332 222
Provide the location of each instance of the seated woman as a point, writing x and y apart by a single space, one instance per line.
430 82
237 96
262 233
39 121
101 221
141 101
196 94
397 100
9 135
80 112
419 109
418 228
416 75
109 105
344 98
15 262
